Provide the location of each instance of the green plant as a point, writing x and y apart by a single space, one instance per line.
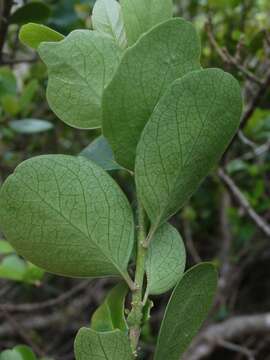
165 120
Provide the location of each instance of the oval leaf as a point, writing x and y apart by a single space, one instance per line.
30 126
188 132
68 216
34 11
33 34
140 16
186 311
166 260
112 345
108 20
79 68
110 315
101 153
147 69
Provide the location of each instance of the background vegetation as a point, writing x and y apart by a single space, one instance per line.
227 221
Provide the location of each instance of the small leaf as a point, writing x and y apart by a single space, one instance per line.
166 260
68 216
30 126
108 20
80 66
12 268
33 35
186 311
112 345
25 352
101 153
188 132
140 16
147 311
147 69
5 248
34 11
110 315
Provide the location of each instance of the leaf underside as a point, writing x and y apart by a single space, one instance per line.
186 311
166 260
147 69
112 345
68 216
188 132
79 68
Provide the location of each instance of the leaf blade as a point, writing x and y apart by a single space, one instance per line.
110 314
113 345
188 132
108 20
186 311
33 35
101 153
166 260
76 82
53 192
146 70
140 16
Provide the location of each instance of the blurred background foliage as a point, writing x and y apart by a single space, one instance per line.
216 224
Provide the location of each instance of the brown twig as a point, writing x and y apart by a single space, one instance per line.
233 328
244 203
227 58
18 328
46 304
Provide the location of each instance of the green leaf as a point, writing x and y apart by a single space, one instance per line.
186 311
147 69
68 216
110 315
10 355
30 126
108 20
33 35
101 153
166 260
8 82
33 274
5 248
34 11
188 132
12 268
140 16
25 352
79 69
113 345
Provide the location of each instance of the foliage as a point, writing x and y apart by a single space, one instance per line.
139 80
